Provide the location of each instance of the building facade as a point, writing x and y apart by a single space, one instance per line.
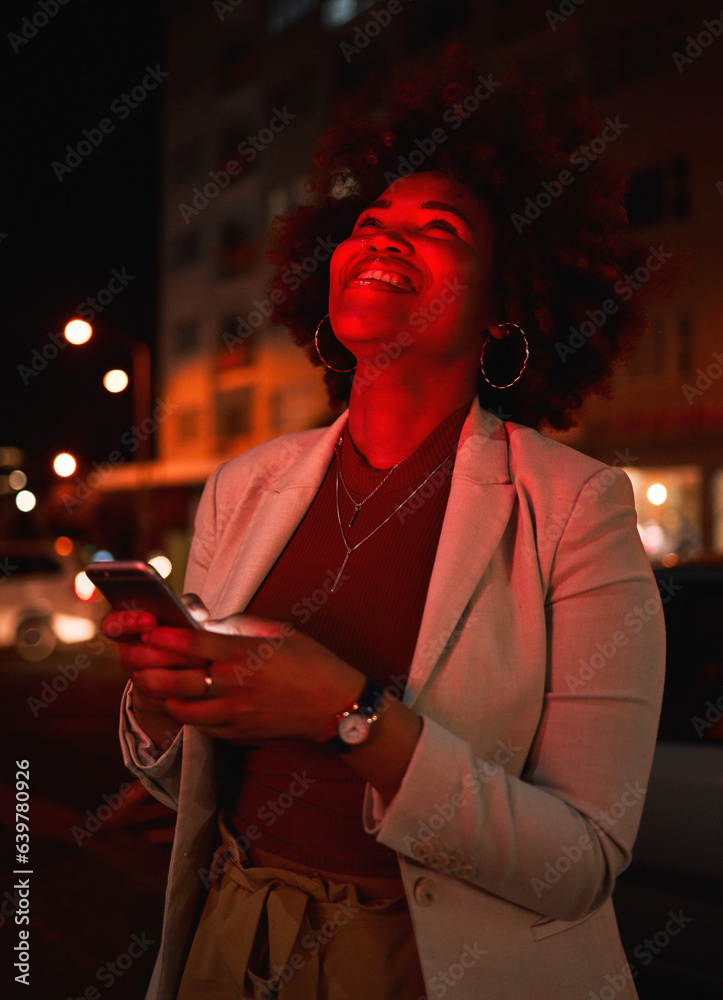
252 85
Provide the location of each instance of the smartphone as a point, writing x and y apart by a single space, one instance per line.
136 586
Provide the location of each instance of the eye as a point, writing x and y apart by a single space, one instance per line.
441 224
368 220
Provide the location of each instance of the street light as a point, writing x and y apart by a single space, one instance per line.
115 380
64 464
77 331
25 500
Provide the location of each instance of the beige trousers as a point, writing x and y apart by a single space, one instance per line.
267 932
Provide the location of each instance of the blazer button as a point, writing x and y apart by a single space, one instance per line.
422 851
424 891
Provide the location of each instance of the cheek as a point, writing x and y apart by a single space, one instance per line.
459 284
337 264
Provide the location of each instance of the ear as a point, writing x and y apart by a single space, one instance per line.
498 332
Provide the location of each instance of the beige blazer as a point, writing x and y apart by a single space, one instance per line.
538 672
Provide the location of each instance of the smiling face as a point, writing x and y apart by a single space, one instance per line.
418 260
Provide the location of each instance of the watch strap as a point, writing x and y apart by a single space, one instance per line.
366 704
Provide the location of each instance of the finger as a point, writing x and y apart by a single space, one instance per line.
199 643
121 624
178 684
197 608
249 626
138 656
200 712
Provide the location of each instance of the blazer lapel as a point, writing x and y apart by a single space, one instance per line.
275 519
480 502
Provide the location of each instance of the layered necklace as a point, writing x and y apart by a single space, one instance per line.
358 504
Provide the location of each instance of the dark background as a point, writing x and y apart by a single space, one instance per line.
64 238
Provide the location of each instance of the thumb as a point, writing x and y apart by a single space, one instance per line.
195 605
246 625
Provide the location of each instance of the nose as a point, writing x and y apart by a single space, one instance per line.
388 240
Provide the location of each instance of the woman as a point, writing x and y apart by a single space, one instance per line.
424 743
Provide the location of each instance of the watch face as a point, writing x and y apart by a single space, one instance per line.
354 728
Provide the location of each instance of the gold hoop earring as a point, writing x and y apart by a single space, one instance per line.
524 363
316 345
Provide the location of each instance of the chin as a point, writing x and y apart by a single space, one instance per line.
368 323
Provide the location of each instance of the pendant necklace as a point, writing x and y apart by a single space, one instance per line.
357 506
353 548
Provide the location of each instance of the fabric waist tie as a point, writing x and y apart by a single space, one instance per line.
269 932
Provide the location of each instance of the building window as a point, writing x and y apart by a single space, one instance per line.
295 407
238 342
187 422
237 249
660 194
650 355
187 336
234 412
234 147
645 200
186 250
668 502
283 13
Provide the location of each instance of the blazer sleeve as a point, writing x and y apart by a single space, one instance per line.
553 839
160 771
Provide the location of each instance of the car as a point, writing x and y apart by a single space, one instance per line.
39 605
670 900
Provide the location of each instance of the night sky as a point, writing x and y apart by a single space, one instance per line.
63 237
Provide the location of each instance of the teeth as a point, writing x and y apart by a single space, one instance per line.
387 276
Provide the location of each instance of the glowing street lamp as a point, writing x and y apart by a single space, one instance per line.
115 380
78 331
657 494
64 464
25 500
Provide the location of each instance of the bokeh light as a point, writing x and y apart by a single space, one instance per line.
64 464
84 589
17 479
78 331
63 545
25 500
115 380
657 494
161 563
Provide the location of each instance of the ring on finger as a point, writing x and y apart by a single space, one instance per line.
208 682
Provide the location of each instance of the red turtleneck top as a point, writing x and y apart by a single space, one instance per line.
302 799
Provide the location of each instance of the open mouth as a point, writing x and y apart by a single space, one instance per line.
391 280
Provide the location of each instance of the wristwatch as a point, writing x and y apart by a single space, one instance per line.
355 726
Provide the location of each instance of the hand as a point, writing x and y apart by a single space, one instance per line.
126 628
268 680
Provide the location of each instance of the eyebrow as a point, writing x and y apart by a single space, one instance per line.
439 206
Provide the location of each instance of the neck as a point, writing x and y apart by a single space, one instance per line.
390 417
